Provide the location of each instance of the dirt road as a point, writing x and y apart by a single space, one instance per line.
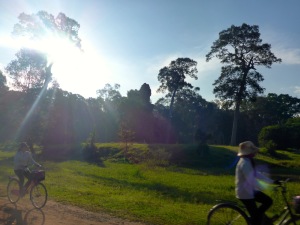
53 214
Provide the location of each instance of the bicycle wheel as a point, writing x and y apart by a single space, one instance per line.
38 195
294 221
227 214
13 190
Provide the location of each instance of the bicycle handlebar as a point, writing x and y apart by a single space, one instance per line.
283 182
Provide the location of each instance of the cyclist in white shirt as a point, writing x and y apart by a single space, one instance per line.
247 186
22 160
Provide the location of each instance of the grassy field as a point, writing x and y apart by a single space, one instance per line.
176 194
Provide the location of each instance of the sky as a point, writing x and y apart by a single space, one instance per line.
127 42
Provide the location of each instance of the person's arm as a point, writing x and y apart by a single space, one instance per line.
31 160
264 178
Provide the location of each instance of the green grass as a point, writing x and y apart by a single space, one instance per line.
158 196
172 195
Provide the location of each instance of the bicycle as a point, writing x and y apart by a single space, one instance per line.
36 189
231 213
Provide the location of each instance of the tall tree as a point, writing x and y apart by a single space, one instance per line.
173 77
136 111
188 110
110 98
109 92
145 94
3 86
28 70
242 50
40 26
141 98
31 71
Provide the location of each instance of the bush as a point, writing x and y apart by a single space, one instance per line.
136 155
158 157
280 137
90 149
269 133
294 135
90 152
271 147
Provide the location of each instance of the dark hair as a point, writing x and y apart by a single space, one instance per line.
22 145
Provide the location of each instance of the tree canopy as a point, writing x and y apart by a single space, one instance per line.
33 66
44 25
28 70
181 116
2 81
241 49
173 77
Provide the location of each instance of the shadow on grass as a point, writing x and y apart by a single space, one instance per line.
277 156
222 160
162 190
218 161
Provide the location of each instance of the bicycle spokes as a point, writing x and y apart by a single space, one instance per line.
227 214
38 195
13 190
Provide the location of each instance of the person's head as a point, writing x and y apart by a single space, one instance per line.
247 149
23 147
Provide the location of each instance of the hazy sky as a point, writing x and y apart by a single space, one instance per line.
128 41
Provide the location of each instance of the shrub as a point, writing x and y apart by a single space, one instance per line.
269 133
158 157
271 147
136 155
90 149
280 137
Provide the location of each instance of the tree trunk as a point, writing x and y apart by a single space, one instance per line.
234 125
237 106
170 118
48 76
171 105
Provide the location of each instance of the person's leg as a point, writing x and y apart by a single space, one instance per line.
20 175
27 175
265 201
251 207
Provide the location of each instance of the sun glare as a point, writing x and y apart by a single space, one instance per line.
77 71
80 72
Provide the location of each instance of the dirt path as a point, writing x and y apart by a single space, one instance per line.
53 214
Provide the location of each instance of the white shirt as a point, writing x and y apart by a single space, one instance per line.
23 159
246 179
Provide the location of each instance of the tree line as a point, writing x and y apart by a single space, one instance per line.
38 111
62 118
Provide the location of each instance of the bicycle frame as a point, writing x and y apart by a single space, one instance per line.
286 216
30 185
287 212
36 189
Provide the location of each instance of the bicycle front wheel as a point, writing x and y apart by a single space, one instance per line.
38 195
227 214
13 190
294 221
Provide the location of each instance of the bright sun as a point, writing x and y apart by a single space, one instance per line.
77 71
